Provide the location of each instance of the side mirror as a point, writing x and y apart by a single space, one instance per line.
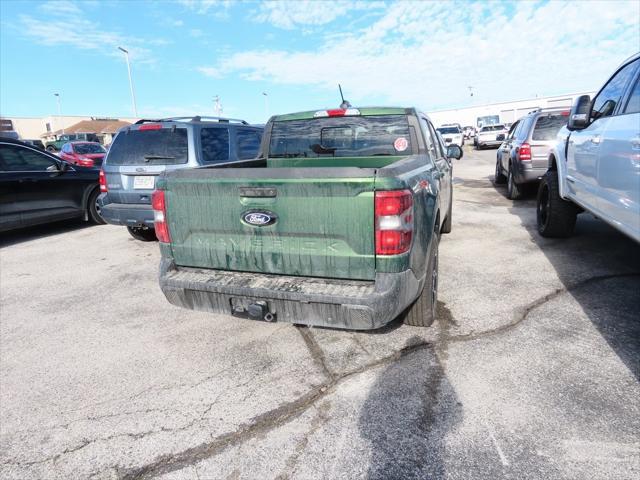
579 115
58 168
454 151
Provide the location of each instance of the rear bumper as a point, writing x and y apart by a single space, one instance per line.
126 214
348 304
528 175
489 143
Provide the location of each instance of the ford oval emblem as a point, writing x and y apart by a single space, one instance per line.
259 218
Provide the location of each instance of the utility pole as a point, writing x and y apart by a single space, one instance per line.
133 95
57 95
217 106
266 105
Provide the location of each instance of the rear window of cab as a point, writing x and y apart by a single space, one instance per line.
348 136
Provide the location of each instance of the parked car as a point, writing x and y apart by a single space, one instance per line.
595 165
56 145
452 134
142 151
34 143
37 187
490 136
337 223
85 154
469 132
523 157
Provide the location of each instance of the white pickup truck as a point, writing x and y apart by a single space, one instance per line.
595 165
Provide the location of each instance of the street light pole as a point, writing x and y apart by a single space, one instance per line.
266 104
133 95
57 95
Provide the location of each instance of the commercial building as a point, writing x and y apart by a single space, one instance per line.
507 112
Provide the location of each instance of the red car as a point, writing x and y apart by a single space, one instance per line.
85 154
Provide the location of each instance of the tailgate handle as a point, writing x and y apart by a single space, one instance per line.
254 192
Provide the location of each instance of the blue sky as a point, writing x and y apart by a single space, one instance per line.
184 53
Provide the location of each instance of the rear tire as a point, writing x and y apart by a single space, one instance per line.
144 234
499 178
555 217
93 209
422 312
514 191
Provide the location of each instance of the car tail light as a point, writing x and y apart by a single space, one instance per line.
150 126
565 113
103 181
85 162
394 221
159 205
524 153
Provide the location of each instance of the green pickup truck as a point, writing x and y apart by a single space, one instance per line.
54 146
336 223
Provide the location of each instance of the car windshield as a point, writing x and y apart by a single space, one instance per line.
352 136
547 126
84 148
492 128
444 130
165 146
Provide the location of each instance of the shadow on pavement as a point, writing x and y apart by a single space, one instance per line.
407 415
612 260
15 237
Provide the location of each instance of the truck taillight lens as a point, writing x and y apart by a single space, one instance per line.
159 205
394 221
103 181
524 153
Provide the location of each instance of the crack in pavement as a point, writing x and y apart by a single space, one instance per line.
317 354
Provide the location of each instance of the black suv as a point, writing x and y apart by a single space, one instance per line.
142 151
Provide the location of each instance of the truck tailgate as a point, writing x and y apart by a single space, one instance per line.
321 226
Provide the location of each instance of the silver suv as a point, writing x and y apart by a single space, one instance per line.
142 151
595 164
523 156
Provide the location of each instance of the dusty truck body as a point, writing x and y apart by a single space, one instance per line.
335 224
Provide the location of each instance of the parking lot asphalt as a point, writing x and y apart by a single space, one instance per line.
531 371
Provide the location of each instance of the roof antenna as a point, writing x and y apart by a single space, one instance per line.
345 103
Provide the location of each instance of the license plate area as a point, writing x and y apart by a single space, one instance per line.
144 182
252 309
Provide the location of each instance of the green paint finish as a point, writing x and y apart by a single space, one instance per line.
324 227
361 162
309 115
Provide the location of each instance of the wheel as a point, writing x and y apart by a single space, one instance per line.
499 178
94 209
422 312
144 234
446 225
514 191
556 217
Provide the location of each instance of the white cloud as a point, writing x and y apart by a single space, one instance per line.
289 14
63 23
218 8
196 33
419 53
210 72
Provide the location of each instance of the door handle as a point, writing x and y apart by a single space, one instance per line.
596 139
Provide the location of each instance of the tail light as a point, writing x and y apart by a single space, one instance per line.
150 126
159 205
394 221
103 181
85 162
524 153
337 112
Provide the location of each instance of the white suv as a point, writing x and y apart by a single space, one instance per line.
595 165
